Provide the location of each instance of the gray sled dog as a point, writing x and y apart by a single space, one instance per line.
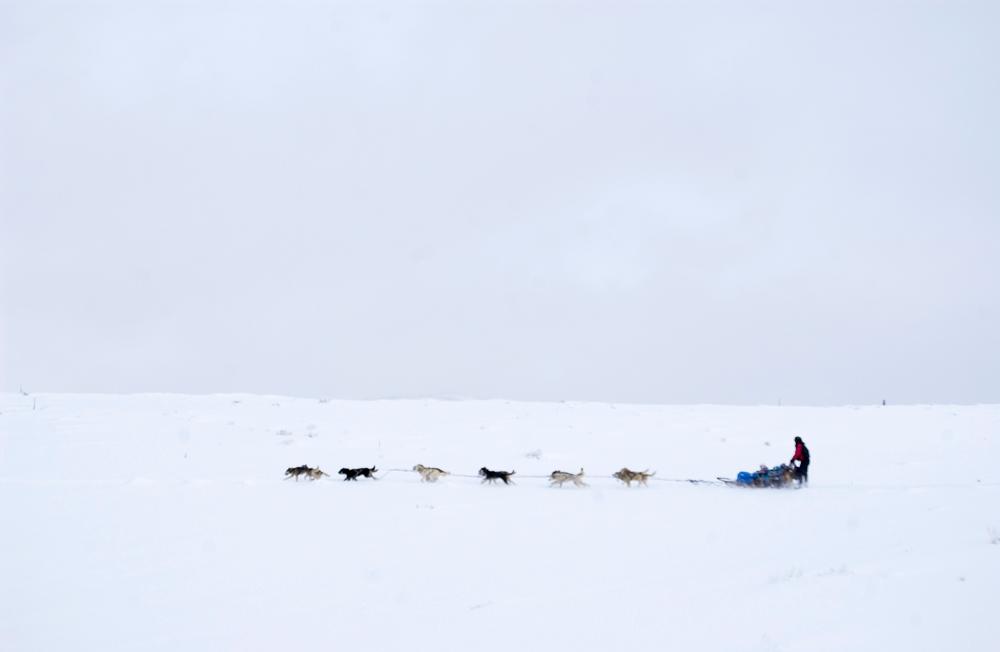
559 477
628 477
308 471
429 473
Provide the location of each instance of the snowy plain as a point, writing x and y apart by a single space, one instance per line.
163 522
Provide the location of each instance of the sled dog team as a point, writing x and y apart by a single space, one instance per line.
433 474
780 476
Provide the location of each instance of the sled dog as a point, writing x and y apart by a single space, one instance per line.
493 476
296 471
316 474
352 474
429 473
785 477
559 477
628 477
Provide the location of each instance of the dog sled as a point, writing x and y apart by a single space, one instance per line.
777 477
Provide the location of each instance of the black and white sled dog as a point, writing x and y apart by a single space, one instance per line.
493 476
429 473
352 474
559 477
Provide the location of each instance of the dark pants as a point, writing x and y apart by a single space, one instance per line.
802 473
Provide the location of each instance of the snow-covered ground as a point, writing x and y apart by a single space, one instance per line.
162 522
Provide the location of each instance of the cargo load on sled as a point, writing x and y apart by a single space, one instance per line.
775 477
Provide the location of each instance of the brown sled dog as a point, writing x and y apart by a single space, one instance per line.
628 477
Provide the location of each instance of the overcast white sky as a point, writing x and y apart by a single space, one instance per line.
672 202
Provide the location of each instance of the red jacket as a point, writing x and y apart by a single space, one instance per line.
800 453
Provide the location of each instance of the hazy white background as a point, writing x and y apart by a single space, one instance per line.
674 202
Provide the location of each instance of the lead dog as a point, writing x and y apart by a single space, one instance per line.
296 471
559 477
306 470
628 477
493 476
429 473
352 474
